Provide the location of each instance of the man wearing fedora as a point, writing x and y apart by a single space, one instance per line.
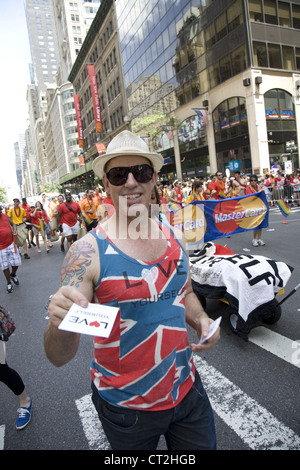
144 380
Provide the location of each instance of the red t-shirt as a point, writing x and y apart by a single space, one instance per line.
6 236
44 215
68 216
35 219
26 207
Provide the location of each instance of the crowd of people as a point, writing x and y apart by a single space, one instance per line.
276 186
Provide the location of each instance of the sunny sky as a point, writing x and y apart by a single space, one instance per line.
14 78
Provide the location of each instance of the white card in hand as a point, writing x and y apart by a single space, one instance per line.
95 320
212 329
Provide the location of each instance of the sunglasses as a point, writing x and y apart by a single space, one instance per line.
141 173
252 179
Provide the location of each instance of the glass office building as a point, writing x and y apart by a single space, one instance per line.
228 71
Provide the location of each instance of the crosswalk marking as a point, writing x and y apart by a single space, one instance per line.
257 427
2 434
275 343
91 424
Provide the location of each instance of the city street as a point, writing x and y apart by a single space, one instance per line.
253 386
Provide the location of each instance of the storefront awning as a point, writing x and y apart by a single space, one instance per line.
80 171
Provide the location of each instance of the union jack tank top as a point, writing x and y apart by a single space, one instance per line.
146 363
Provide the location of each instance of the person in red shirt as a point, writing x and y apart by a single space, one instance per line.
176 195
39 220
218 186
9 253
68 213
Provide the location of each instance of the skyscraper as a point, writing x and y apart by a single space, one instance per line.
42 41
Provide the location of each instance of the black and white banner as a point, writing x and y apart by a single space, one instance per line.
248 283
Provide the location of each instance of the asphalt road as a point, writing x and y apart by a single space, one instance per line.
254 393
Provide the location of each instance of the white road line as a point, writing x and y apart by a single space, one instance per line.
258 428
91 424
2 434
275 343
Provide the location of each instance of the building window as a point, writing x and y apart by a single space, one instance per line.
284 14
225 68
210 35
260 54
274 56
238 60
230 119
278 106
213 73
255 10
288 58
296 16
270 11
234 15
221 27
297 58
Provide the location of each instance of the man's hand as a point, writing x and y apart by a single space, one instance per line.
62 301
202 330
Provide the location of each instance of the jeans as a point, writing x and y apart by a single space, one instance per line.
188 426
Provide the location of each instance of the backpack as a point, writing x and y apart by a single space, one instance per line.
7 324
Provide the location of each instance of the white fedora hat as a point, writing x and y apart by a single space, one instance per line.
124 144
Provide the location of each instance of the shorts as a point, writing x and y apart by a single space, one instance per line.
35 231
68 231
10 256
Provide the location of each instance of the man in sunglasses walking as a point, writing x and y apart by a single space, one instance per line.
144 380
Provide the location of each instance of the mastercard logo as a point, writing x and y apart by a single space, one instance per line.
191 221
247 213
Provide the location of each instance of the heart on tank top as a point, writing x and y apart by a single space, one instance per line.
150 274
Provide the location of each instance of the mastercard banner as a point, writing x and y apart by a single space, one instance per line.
204 221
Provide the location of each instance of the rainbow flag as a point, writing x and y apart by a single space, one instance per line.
174 206
39 226
284 208
86 218
222 195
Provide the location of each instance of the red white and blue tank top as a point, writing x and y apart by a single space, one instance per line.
146 363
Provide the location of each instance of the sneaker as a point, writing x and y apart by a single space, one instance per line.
9 288
62 248
33 244
14 279
261 242
24 416
26 256
254 242
29 246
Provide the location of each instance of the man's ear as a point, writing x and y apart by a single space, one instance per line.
105 182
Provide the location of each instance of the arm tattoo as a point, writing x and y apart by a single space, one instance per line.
75 263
